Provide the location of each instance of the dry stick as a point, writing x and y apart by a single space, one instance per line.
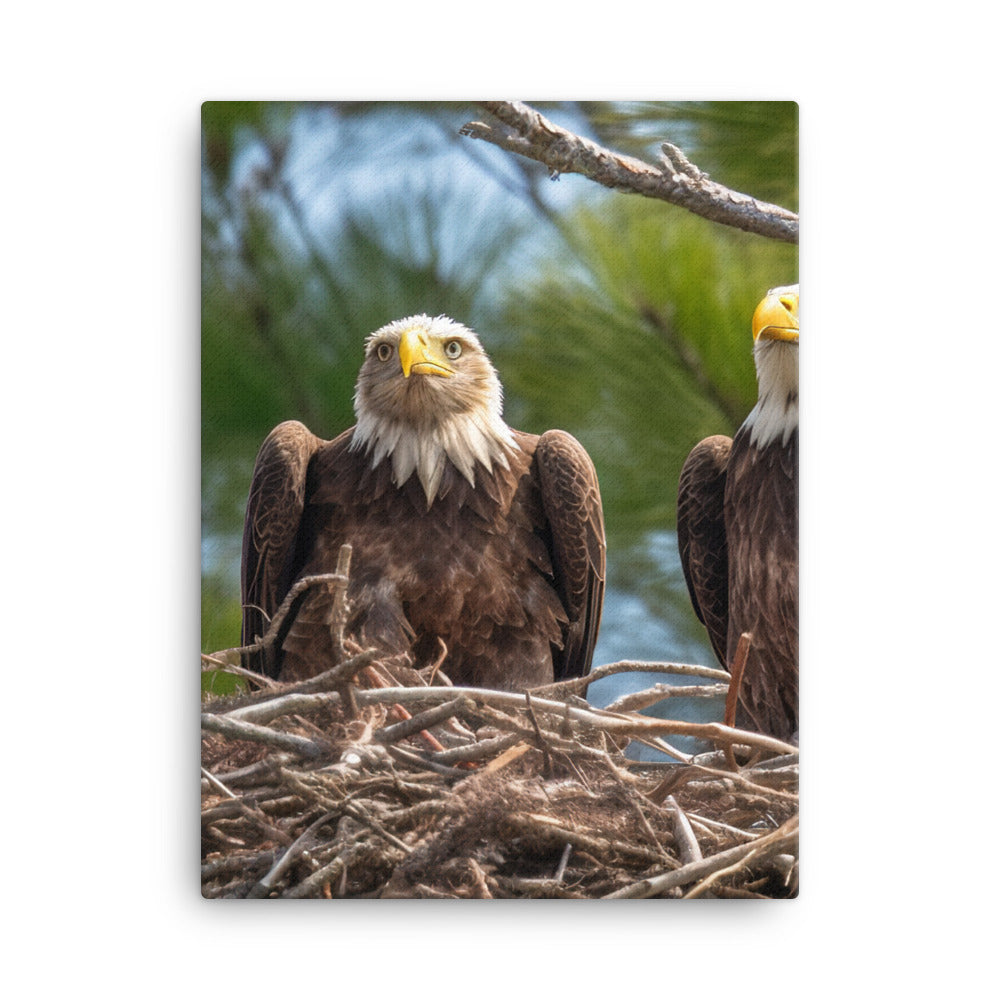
331 870
699 773
540 740
634 725
687 842
638 700
647 826
401 713
777 842
422 720
264 706
338 623
526 132
563 861
533 733
710 825
539 823
479 877
221 666
706 883
263 887
333 678
476 751
732 697
253 813
436 665
280 705
415 760
302 584
354 810
338 618
238 730
270 636
577 685
233 808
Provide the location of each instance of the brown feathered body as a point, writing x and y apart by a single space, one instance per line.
737 531
501 560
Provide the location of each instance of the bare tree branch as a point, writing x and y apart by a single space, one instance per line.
523 130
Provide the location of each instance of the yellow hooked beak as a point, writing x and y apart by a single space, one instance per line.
777 316
422 355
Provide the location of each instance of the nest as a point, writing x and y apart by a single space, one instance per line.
376 780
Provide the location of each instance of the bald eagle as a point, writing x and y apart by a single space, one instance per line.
462 528
738 528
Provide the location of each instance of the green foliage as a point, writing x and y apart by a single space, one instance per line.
750 146
639 341
220 613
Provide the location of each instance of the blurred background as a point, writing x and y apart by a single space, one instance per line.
622 320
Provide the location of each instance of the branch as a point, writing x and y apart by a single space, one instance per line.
577 685
783 839
523 130
236 729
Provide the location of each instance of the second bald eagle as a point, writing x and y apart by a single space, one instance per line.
462 528
738 528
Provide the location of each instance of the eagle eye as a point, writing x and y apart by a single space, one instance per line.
453 350
384 351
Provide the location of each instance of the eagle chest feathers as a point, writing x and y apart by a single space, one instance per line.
463 531
472 567
761 513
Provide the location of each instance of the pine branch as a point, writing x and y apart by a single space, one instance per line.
520 129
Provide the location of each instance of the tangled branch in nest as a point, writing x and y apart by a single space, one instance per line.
528 796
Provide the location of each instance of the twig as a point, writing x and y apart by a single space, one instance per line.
331 870
563 861
338 617
638 700
273 708
253 813
301 585
263 887
221 666
539 739
634 725
354 810
524 131
237 730
553 829
398 711
732 696
415 760
477 751
687 843
736 677
422 720
577 685
777 842
479 880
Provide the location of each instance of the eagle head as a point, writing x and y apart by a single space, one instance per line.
776 356
427 395
777 316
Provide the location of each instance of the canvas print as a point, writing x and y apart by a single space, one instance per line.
500 500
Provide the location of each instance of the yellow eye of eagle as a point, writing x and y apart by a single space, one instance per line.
384 351
453 349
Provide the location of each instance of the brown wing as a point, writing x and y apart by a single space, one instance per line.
271 527
571 499
701 536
